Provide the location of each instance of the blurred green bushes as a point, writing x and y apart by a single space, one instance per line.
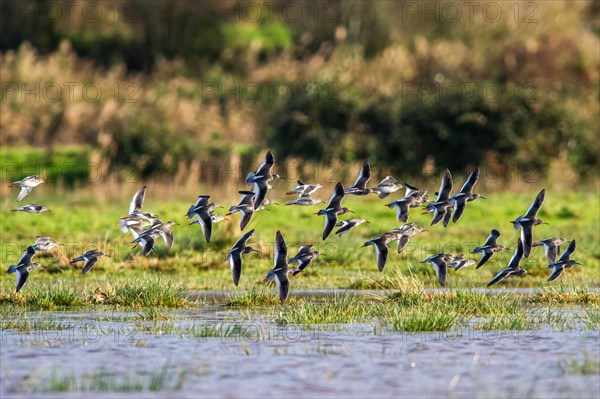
375 81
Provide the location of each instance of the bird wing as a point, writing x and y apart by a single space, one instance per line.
471 181
500 276
550 250
364 176
402 212
536 205
148 244
402 241
330 221
441 270
205 222
459 207
21 277
27 256
137 202
556 272
202 201
516 258
484 258
23 194
283 285
381 250
246 198
241 243
88 264
303 262
447 216
445 187
304 249
567 254
280 258
261 187
246 213
265 166
336 197
527 237
491 240
438 215
235 263
167 236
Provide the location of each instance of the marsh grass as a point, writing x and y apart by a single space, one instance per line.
103 380
585 366
145 292
339 310
421 319
254 297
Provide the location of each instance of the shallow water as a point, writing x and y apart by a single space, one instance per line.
219 296
267 360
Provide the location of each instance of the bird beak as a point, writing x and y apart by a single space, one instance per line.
352 212
135 246
229 213
481 196
386 204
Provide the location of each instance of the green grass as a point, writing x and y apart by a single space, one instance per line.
140 292
343 264
103 380
585 366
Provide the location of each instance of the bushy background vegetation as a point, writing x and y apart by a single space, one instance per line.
354 80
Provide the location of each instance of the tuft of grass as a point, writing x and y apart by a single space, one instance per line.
586 366
422 319
254 297
105 381
341 310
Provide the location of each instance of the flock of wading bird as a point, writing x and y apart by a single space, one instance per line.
147 227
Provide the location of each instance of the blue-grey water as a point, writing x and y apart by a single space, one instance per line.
264 359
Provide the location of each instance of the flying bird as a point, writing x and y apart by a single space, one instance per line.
381 249
440 264
204 213
551 247
89 259
564 262
245 208
527 222
304 189
23 268
489 248
513 268
235 256
27 184
281 268
346 225
360 185
261 178
465 195
334 208
403 205
441 207
33 208
459 261
403 234
304 257
387 186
